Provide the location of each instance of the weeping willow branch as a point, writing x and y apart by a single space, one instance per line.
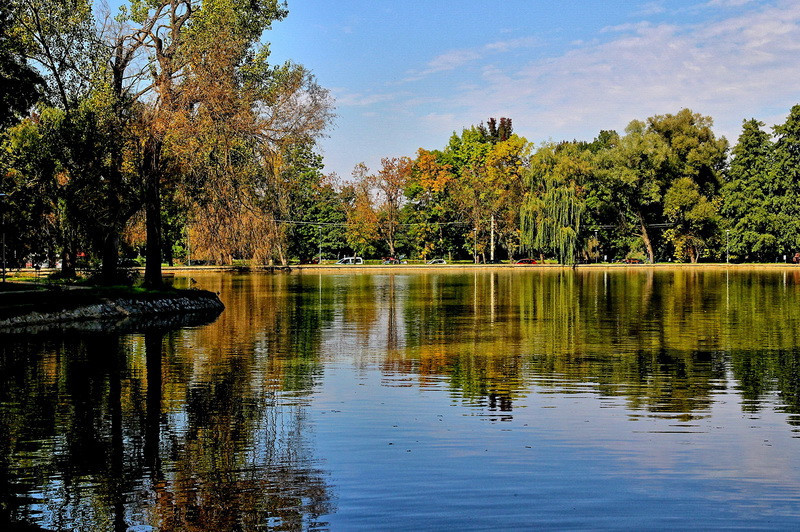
554 202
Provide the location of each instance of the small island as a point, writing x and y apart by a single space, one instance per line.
27 304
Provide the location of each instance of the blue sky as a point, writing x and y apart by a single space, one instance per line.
406 74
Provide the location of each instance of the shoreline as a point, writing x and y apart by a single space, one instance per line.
168 271
46 307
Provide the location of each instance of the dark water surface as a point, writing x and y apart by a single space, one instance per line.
474 400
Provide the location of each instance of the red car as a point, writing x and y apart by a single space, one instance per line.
526 261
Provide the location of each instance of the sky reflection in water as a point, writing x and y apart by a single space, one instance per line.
474 400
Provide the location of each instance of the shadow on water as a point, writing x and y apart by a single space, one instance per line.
104 426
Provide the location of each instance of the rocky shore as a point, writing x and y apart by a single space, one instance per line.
22 310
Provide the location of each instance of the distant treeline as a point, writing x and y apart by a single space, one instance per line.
666 189
164 134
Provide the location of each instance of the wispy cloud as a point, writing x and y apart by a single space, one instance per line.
650 8
453 59
345 98
728 3
728 69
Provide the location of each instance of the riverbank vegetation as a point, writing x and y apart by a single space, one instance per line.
163 134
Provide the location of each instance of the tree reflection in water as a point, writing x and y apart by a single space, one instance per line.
109 431
663 340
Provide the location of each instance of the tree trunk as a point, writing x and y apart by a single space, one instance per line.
475 246
110 258
646 238
68 259
152 199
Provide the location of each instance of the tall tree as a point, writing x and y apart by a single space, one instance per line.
206 73
60 42
785 182
390 184
362 220
506 164
633 169
695 154
471 192
429 211
747 194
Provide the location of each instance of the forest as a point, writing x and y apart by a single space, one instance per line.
163 134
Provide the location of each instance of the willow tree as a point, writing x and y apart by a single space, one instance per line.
554 202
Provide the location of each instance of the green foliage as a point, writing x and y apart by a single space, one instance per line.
20 85
747 194
60 38
785 182
314 203
694 218
555 201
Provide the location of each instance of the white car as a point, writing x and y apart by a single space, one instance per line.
350 260
437 261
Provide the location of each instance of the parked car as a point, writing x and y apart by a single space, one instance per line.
526 261
350 260
437 261
393 260
632 261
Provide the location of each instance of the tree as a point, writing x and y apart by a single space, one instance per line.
640 167
209 83
20 85
695 154
428 210
59 39
785 177
470 191
506 164
694 217
554 205
633 170
390 184
747 195
362 220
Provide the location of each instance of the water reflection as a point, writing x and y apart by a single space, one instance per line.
196 427
106 431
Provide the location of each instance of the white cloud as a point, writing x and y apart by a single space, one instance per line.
728 3
451 60
454 59
729 69
345 98
651 8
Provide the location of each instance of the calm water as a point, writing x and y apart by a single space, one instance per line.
473 400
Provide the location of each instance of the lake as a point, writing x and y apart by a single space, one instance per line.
442 399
